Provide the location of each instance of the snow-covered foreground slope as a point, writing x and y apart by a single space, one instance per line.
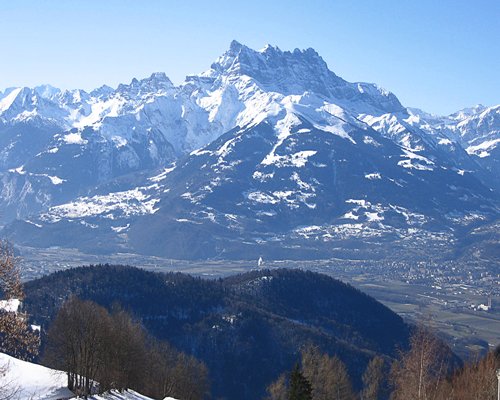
31 381
125 395
27 381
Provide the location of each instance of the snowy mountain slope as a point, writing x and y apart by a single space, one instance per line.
150 122
476 129
284 186
480 136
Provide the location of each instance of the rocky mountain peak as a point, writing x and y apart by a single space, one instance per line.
158 81
272 65
296 72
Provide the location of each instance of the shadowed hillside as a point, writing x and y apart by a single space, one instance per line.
247 328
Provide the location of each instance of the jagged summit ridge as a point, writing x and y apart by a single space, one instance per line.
295 72
158 81
241 59
271 69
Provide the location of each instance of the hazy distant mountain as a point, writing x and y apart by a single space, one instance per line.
274 154
477 129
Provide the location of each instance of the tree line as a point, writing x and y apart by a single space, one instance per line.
425 371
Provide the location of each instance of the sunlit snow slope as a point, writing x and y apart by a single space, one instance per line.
31 381
28 381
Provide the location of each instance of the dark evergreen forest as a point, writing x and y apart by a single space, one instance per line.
247 328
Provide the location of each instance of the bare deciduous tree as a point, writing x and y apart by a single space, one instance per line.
278 389
92 345
373 378
328 375
419 372
16 336
76 342
186 377
476 380
124 352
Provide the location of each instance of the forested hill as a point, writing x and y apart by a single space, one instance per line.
247 328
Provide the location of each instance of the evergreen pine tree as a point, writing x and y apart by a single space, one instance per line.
300 388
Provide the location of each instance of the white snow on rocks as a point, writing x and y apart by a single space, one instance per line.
262 177
161 176
8 100
283 129
74 138
445 141
415 161
482 150
260 197
56 180
19 170
364 210
297 160
371 141
127 203
200 152
290 198
373 176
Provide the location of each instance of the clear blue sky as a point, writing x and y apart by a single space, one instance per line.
439 55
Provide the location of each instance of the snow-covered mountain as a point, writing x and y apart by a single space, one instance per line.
477 129
272 151
55 145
